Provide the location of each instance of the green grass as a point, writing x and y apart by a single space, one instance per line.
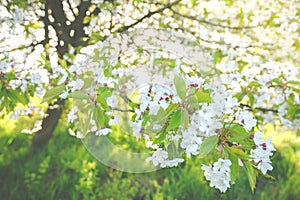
63 169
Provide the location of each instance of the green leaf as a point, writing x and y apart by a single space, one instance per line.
95 37
171 108
239 96
125 79
251 174
86 19
88 82
10 76
294 82
160 138
103 103
161 114
63 63
237 129
180 86
53 93
100 116
268 176
203 97
35 25
254 84
194 2
133 105
240 135
237 152
234 167
217 57
186 119
175 120
105 94
78 95
193 102
276 80
17 96
208 145
251 98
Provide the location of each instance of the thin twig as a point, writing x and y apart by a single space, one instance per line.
260 108
119 109
218 42
168 6
212 24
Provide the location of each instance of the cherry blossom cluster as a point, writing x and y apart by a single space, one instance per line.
262 152
161 158
218 174
270 89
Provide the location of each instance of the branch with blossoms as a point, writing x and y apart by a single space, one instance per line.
198 116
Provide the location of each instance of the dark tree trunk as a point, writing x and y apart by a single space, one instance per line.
55 9
48 125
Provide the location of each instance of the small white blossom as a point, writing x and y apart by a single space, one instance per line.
78 134
5 67
149 143
246 119
23 85
73 114
161 158
194 81
153 108
76 85
35 78
172 163
136 128
64 95
36 127
190 141
230 104
93 126
158 157
114 120
264 166
63 78
262 152
14 84
75 69
103 131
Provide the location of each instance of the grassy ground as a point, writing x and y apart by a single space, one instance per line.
63 169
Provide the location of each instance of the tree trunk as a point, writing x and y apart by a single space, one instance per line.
48 125
55 9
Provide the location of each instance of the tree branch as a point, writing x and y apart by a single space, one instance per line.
119 109
259 108
168 6
218 42
212 24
